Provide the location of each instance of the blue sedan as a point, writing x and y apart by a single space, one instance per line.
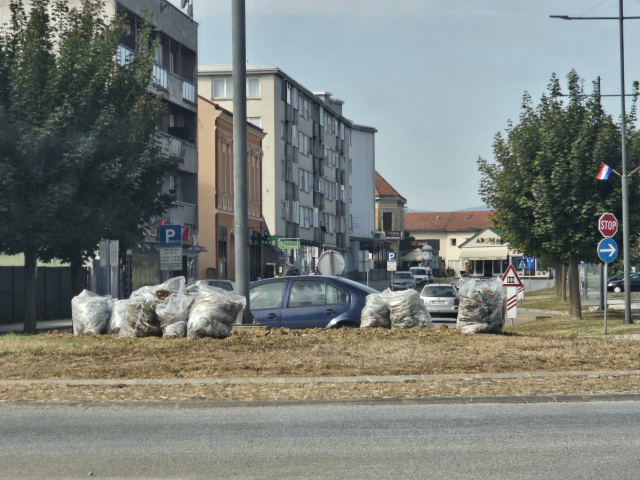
308 302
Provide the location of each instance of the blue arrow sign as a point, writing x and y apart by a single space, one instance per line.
608 250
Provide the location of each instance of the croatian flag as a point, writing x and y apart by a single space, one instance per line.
604 172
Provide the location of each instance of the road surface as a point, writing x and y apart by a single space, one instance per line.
499 441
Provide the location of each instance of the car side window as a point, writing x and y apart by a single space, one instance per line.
335 296
307 293
266 296
223 285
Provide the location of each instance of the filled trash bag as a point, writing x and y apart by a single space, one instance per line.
375 313
141 319
482 306
213 313
173 315
406 309
90 313
118 316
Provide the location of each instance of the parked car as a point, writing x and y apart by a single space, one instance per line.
441 300
618 285
422 275
228 285
312 301
402 281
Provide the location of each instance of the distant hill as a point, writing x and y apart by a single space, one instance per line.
476 209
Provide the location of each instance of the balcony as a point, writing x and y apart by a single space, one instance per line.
186 151
318 200
288 152
338 143
316 129
340 240
341 209
188 92
288 113
185 214
124 55
295 117
160 77
318 236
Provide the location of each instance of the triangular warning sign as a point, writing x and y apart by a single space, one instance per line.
511 278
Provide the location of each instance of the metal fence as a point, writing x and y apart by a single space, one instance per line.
53 293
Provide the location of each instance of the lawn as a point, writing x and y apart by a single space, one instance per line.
318 352
591 324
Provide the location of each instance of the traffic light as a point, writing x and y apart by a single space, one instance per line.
266 237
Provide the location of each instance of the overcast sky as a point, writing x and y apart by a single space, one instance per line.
437 78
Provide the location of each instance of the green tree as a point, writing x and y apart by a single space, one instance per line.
543 181
78 154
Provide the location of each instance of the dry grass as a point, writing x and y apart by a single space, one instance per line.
591 324
318 352
562 385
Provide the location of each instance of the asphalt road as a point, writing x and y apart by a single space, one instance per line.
501 441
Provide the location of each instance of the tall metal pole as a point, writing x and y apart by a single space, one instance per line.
625 182
240 177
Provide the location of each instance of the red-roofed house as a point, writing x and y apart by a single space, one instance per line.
463 241
389 212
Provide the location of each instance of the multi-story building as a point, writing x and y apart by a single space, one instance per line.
305 165
365 242
389 213
216 196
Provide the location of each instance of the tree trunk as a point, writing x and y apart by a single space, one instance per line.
575 306
30 266
77 285
558 280
564 283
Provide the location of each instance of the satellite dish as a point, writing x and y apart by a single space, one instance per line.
331 264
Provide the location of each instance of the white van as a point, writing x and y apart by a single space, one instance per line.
422 275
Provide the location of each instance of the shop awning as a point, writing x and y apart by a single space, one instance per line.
484 253
271 254
414 256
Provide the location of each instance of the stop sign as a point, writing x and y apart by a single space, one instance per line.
608 225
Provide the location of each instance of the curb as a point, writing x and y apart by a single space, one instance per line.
529 400
291 380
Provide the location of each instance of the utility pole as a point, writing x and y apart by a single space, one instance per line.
625 180
240 176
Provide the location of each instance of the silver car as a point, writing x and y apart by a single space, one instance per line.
441 300
402 281
228 285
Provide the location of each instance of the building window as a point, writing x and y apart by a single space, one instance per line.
350 165
282 130
223 88
387 221
350 194
350 137
453 242
257 121
253 87
222 252
284 170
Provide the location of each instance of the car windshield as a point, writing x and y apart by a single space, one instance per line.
228 286
419 271
403 275
438 291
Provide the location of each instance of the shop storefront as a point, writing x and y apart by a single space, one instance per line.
483 255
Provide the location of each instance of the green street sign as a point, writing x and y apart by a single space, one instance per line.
284 244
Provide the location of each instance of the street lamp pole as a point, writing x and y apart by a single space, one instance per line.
625 179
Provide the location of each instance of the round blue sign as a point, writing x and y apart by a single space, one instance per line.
608 250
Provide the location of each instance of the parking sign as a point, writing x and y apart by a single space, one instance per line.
170 236
392 257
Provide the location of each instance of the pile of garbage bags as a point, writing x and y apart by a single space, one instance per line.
483 306
165 310
389 309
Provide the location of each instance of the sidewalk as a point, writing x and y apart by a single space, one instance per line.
41 327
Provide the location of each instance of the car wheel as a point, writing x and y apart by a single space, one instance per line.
617 289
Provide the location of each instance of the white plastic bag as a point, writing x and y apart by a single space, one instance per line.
406 309
174 315
90 313
482 306
141 319
118 315
213 313
375 313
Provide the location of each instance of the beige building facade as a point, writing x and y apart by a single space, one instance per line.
389 213
216 193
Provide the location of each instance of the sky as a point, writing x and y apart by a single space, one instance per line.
437 78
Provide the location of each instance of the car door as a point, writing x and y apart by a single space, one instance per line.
635 281
313 304
266 301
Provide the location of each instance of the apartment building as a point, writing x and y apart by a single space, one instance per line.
216 195
305 173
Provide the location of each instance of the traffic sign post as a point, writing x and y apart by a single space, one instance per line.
608 252
511 281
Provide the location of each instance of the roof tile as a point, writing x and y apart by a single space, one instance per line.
448 221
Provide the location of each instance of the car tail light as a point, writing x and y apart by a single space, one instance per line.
456 302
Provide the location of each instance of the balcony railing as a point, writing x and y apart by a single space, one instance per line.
160 76
187 152
188 92
124 55
184 214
